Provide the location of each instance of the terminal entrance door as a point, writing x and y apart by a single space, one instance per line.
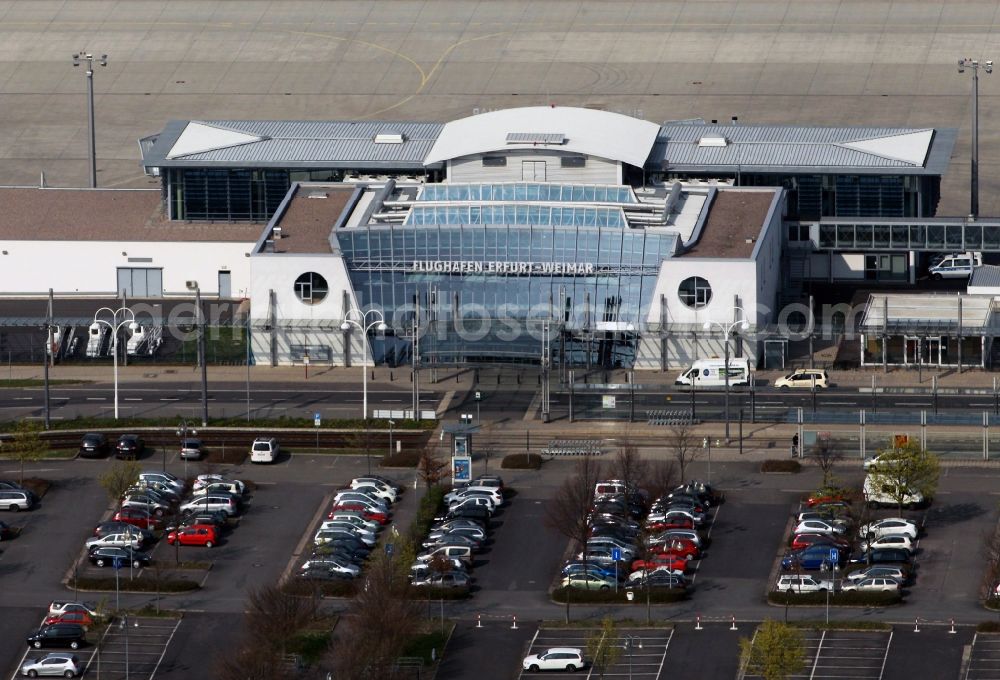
533 171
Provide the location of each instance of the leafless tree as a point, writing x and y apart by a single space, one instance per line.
629 466
684 446
569 510
661 477
826 456
991 551
381 619
119 477
432 469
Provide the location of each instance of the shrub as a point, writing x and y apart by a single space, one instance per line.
402 459
988 627
140 585
521 461
37 485
851 598
431 593
780 465
992 603
430 505
656 596
306 588
841 625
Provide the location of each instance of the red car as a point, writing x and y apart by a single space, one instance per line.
80 617
670 523
363 510
822 497
805 540
668 560
679 546
197 534
137 517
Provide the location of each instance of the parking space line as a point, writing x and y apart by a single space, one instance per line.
590 671
708 537
819 650
164 652
663 659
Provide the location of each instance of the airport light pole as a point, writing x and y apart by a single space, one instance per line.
728 330
974 65
200 322
359 320
119 318
78 59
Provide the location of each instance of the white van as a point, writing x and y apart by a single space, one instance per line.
710 373
264 450
879 495
957 266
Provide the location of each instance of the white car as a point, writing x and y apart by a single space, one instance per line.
57 607
351 496
889 541
890 525
360 532
640 574
569 659
877 584
231 486
324 536
794 583
118 540
492 493
819 526
382 492
202 481
884 570
875 461
473 501
164 478
354 519
879 492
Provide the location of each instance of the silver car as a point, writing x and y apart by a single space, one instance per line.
61 665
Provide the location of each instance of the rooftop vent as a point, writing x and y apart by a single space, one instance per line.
536 138
317 194
389 138
713 140
276 234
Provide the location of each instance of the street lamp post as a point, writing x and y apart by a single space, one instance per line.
183 428
987 66
728 329
630 642
119 318
359 320
79 58
391 423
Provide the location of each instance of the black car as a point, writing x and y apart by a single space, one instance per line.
341 551
7 484
105 556
70 635
93 445
114 527
321 574
476 512
6 531
215 519
130 446
883 556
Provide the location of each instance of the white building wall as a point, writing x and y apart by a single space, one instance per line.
768 273
299 323
91 267
596 170
836 266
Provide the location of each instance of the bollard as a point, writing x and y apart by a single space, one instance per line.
733 627
952 630
916 625
514 626
479 620
697 624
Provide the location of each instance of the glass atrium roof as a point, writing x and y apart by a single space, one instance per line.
528 191
517 215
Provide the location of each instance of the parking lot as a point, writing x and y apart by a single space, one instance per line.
984 661
846 655
133 647
645 660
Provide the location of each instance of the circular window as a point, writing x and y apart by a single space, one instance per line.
311 288
695 292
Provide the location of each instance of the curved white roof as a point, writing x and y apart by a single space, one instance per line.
581 131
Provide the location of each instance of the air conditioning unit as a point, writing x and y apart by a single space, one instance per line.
191 285
389 138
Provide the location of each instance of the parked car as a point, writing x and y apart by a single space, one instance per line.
377 478
468 512
804 583
105 556
264 450
93 445
57 607
588 581
670 561
889 541
6 531
148 502
461 552
359 531
129 539
198 534
450 579
899 573
59 665
471 491
825 496
191 449
70 635
816 526
204 480
419 570
170 480
80 617
16 500
804 378
883 556
130 446
137 517
328 535
890 525
800 541
233 487
575 567
357 508
813 557
569 659
382 491
114 527
876 584
357 520
658 578
223 502
339 566
880 492
476 534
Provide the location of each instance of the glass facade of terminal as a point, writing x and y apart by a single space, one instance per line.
482 292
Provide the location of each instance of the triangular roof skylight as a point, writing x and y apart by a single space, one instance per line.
201 137
909 147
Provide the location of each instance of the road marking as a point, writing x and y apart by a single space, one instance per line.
97 398
23 398
663 659
886 657
133 398
164 652
708 537
819 650
170 398
840 403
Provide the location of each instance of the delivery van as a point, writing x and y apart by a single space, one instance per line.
710 373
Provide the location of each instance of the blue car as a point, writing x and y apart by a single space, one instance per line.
813 557
591 568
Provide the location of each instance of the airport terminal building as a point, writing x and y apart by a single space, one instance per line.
553 235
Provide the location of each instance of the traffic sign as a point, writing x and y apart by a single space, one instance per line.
616 554
834 556
116 563
317 419
388 549
479 396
